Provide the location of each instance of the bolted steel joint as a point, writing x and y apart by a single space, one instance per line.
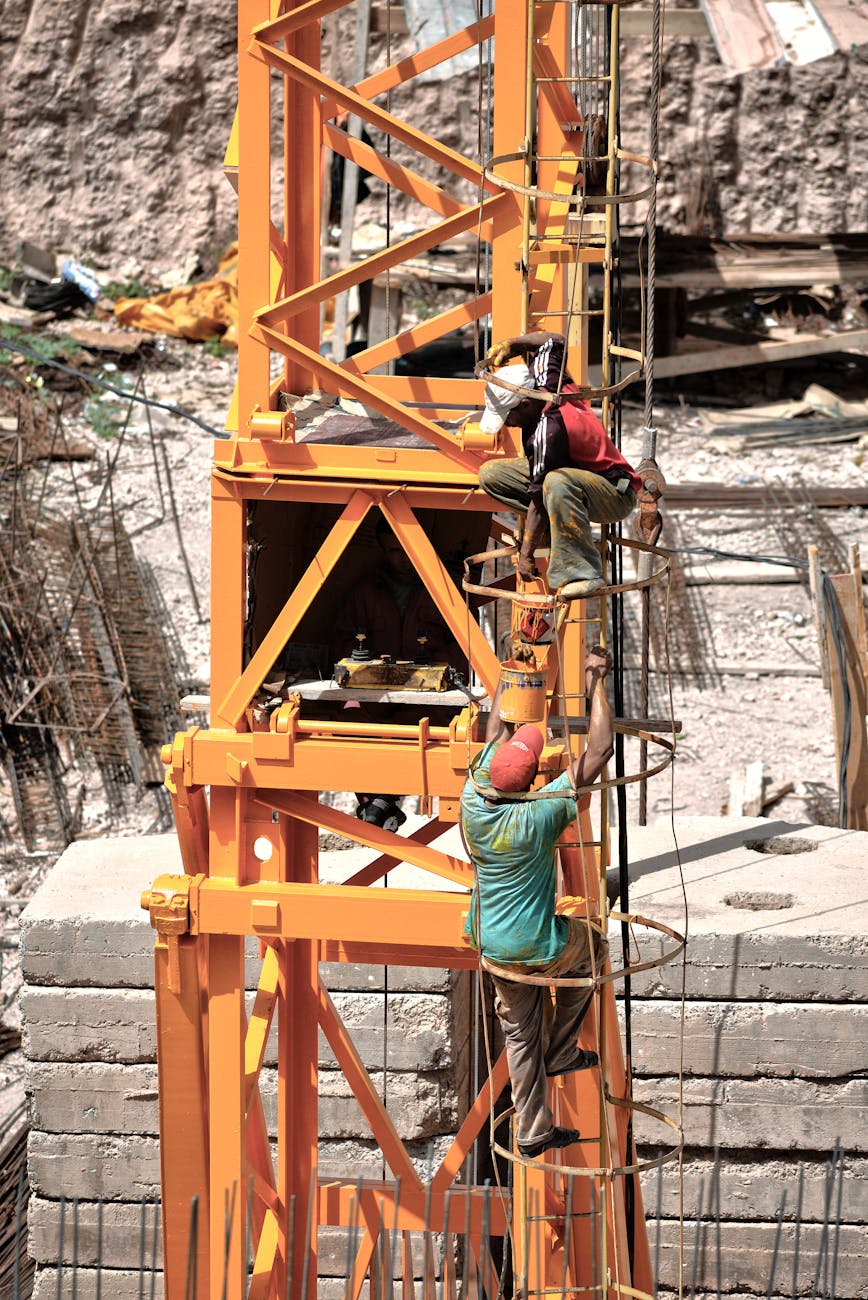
168 902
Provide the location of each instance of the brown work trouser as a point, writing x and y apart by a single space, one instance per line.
541 1037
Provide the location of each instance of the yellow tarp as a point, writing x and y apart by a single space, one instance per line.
194 311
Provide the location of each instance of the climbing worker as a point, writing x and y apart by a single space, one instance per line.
512 919
571 473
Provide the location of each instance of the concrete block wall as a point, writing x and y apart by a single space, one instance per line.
89 1041
776 1005
775 1048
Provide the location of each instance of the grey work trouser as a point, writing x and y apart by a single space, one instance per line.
573 499
540 1038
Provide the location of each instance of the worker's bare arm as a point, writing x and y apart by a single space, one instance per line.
521 344
600 746
496 729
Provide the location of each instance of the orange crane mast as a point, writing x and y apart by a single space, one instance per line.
293 501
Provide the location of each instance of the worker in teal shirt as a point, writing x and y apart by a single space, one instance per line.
512 920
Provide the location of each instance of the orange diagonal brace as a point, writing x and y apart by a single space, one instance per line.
303 14
556 92
232 708
390 257
374 116
434 328
346 385
402 178
384 863
405 850
472 1126
266 1256
260 1022
442 589
359 1080
422 60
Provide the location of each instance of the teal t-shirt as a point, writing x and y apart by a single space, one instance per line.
513 847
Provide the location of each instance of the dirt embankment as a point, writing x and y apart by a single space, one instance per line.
115 120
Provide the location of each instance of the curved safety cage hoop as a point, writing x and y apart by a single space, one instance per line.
580 200
582 393
580 1171
591 982
552 601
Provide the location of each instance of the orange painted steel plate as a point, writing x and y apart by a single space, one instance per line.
350 913
469 1208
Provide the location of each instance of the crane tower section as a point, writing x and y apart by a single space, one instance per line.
326 453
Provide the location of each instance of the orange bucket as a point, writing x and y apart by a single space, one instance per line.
522 692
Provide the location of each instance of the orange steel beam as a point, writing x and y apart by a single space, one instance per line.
451 604
393 173
366 1094
471 1127
352 828
242 692
369 954
406 1208
425 332
239 760
379 263
347 385
182 1074
346 98
259 1025
382 865
398 73
298 1058
400 917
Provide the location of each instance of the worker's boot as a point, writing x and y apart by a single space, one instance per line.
380 810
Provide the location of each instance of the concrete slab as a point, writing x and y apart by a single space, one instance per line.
94 1097
420 1031
762 1114
752 1190
115 1167
763 925
813 1040
746 1253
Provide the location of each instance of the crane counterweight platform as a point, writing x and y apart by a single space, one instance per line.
306 495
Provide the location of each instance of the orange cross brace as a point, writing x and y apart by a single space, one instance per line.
241 693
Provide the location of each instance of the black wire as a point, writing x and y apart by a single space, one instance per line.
7 345
785 561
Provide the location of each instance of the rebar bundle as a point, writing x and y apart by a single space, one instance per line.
87 677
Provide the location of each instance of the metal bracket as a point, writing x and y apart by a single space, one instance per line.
168 902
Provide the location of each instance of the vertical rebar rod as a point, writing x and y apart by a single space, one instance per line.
697 1239
60 1244
99 1210
75 1248
774 1264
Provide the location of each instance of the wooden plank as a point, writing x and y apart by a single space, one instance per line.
724 496
744 34
753 789
816 581
856 777
847 20
754 354
676 22
735 807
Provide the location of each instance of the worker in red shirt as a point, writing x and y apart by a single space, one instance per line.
571 473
